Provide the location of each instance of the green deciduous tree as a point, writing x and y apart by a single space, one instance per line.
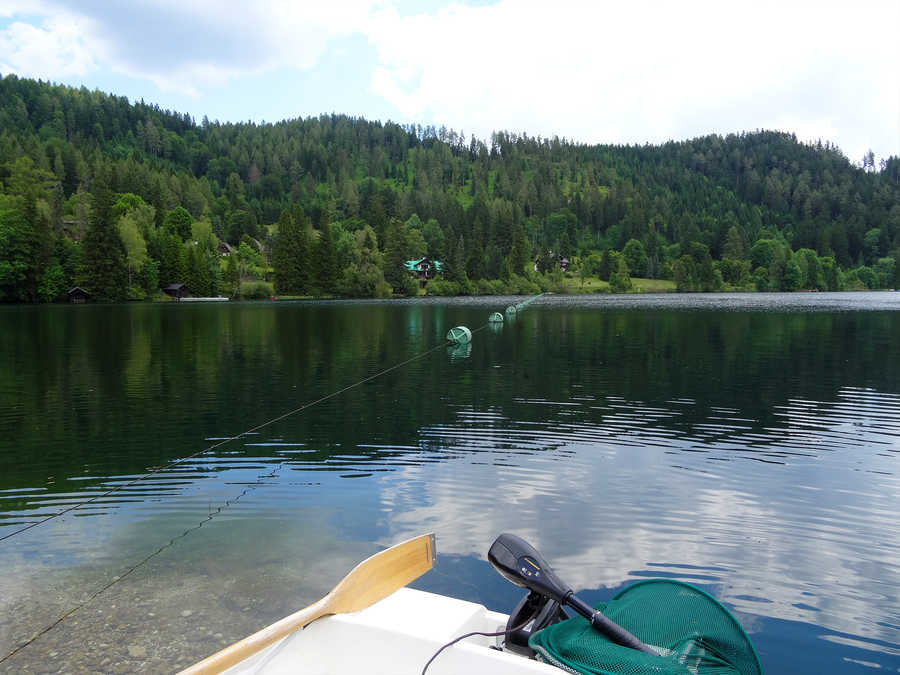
232 276
178 221
364 277
831 274
635 258
885 272
811 273
135 245
619 280
792 278
685 273
763 252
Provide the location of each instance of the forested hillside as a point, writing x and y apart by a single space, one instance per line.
123 198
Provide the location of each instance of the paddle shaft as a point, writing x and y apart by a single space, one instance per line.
226 658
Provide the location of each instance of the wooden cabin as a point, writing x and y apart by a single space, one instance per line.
176 291
78 296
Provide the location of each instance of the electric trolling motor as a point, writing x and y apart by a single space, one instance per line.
520 563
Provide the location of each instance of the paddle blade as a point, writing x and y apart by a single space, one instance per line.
377 577
372 580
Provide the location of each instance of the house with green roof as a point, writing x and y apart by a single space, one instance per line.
423 269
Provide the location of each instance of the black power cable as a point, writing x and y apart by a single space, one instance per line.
474 633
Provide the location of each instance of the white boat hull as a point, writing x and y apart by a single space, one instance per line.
395 636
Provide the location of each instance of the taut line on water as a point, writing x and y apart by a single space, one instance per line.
219 444
116 579
240 435
225 504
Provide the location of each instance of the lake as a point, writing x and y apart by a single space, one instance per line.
748 444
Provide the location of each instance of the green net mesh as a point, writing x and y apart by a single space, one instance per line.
693 632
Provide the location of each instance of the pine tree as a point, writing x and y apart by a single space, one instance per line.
303 252
457 266
518 257
326 256
285 256
197 273
103 271
168 248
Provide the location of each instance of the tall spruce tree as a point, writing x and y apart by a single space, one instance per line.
326 256
104 271
457 262
394 256
303 264
285 256
197 273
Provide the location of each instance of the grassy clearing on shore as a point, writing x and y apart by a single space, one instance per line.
652 285
568 285
595 285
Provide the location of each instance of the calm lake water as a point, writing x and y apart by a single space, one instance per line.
749 444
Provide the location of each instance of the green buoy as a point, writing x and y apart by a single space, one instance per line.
460 335
496 317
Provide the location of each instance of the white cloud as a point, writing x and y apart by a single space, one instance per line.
639 72
592 72
180 47
58 48
768 531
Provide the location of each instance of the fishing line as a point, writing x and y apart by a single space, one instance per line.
220 443
176 462
225 505
212 514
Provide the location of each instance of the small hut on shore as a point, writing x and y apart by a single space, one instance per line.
176 291
78 296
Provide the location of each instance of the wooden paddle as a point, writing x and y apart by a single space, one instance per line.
372 580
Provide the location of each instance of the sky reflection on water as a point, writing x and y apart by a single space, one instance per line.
753 454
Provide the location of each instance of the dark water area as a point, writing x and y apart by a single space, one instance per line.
748 444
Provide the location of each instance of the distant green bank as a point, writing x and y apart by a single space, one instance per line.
102 199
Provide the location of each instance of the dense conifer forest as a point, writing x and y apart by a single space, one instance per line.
122 199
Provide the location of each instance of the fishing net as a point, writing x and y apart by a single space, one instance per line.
693 632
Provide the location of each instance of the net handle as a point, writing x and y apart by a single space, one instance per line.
607 626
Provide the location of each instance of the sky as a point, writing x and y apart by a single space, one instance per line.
593 72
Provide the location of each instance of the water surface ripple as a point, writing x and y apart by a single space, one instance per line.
745 443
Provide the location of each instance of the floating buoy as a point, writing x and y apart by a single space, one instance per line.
496 317
460 335
511 309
